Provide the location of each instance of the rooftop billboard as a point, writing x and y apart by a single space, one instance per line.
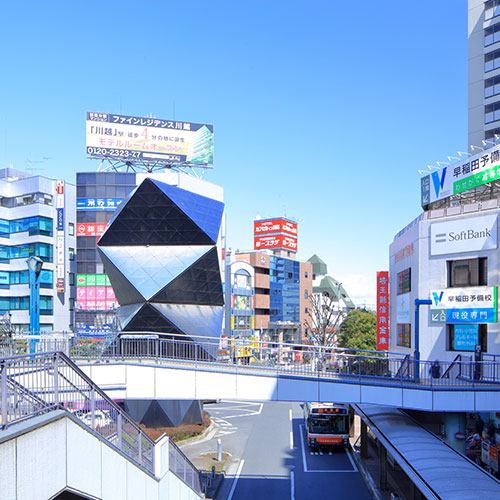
275 233
269 226
149 139
461 176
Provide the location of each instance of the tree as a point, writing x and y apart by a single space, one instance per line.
359 330
322 324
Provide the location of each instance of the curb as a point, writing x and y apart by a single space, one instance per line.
205 436
370 483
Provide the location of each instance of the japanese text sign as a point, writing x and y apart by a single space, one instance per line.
383 311
466 305
269 226
131 137
90 229
275 241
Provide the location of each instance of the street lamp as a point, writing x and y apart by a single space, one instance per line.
35 267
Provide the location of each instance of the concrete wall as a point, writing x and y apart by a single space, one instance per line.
47 454
168 382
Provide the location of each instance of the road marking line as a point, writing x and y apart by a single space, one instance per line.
235 481
304 462
292 485
348 451
291 440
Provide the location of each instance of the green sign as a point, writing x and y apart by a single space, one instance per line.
490 175
81 280
100 280
92 280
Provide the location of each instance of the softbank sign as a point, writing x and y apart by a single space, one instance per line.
464 235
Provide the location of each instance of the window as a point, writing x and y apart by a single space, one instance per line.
71 229
71 252
492 112
305 274
71 279
492 34
306 310
404 281
404 335
491 9
492 61
466 337
306 294
468 272
490 134
71 304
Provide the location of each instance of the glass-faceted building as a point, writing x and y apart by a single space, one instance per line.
162 251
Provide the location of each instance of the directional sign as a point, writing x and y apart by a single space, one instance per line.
438 315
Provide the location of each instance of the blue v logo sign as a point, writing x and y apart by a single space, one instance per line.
437 298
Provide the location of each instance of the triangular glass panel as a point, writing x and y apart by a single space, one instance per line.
149 217
206 212
204 321
199 284
150 269
125 313
148 319
125 291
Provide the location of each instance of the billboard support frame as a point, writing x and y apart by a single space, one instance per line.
112 164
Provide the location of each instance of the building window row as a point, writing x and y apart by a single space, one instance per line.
42 250
35 225
492 61
491 9
492 112
492 86
27 199
23 303
492 34
490 134
8 278
404 335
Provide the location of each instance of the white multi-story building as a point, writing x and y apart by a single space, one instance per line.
484 70
37 218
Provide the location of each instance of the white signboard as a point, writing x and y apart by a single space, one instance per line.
464 235
403 308
464 298
467 174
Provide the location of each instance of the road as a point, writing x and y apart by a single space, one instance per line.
271 459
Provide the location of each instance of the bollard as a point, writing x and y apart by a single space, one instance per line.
219 451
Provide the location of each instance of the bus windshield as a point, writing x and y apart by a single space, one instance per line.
331 424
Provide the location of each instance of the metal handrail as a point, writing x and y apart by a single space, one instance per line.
351 365
61 384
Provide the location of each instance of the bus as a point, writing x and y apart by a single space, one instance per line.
327 425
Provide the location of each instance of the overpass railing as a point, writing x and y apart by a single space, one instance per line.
294 359
33 384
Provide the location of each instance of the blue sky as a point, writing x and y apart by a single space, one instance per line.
323 111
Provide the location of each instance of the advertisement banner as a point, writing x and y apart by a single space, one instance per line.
60 219
123 136
97 203
461 176
275 241
464 235
403 308
382 311
275 226
465 337
466 305
90 229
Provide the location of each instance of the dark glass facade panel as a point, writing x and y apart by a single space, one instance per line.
199 284
149 319
205 212
151 218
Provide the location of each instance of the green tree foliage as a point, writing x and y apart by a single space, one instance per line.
359 330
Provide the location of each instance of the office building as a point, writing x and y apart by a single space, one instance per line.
484 71
37 218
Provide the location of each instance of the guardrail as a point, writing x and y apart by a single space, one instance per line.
296 359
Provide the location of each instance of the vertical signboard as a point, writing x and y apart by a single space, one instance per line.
382 311
61 251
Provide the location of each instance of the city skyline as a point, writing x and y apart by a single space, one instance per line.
296 99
